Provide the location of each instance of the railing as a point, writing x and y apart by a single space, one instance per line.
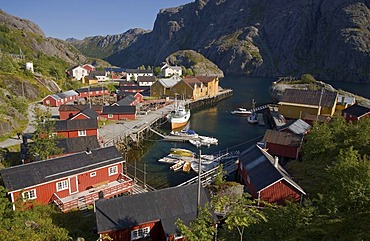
124 184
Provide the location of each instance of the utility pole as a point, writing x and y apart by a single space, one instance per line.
318 109
199 180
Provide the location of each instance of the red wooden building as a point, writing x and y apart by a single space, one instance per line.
121 95
59 99
92 91
76 128
355 112
298 127
265 179
119 112
150 215
283 144
72 181
128 100
68 111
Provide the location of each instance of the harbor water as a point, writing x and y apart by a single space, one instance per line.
233 132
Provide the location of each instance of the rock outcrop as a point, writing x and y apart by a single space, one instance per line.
194 61
329 39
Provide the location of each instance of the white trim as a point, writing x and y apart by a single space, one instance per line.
300 105
92 174
64 185
69 179
112 168
135 233
81 133
283 178
61 178
29 192
78 115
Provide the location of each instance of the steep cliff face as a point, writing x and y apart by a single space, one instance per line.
101 47
330 39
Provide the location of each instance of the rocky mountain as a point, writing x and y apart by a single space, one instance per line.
32 38
329 39
101 47
198 64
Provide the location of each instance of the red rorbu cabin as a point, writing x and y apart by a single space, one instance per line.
72 181
76 128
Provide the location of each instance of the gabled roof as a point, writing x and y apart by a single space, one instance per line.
282 138
27 175
119 110
192 81
145 79
88 112
97 73
357 110
298 127
206 79
137 71
74 125
169 82
115 69
343 99
126 101
261 170
166 205
78 144
79 107
309 97
89 89
136 87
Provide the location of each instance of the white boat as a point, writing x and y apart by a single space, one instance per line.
241 111
168 159
178 117
210 140
187 133
205 166
199 143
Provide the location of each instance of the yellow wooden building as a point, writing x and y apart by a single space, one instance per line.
211 82
162 87
297 103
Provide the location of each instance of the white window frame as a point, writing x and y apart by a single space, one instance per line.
140 233
62 185
112 170
82 133
92 174
110 116
29 195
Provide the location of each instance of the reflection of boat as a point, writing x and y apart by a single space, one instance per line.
178 165
241 111
182 152
252 118
188 133
178 117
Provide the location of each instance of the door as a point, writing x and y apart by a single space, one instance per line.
73 185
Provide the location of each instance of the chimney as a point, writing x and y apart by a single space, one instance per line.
88 150
276 161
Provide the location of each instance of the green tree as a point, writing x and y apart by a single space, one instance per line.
45 140
201 229
240 213
157 71
307 78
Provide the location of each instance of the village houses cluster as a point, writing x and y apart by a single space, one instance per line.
88 172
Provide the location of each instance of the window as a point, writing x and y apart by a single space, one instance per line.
113 170
63 185
82 133
110 115
29 195
92 174
140 233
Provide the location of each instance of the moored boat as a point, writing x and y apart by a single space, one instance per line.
182 152
241 111
252 118
178 117
177 166
187 133
186 167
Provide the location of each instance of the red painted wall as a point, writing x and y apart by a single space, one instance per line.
354 118
44 192
64 115
280 150
120 117
279 192
72 134
93 93
52 102
156 232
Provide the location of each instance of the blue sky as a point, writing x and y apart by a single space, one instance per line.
82 18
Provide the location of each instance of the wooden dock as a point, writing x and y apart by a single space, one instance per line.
261 120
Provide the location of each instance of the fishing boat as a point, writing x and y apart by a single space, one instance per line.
177 166
179 116
210 140
182 152
241 111
252 118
